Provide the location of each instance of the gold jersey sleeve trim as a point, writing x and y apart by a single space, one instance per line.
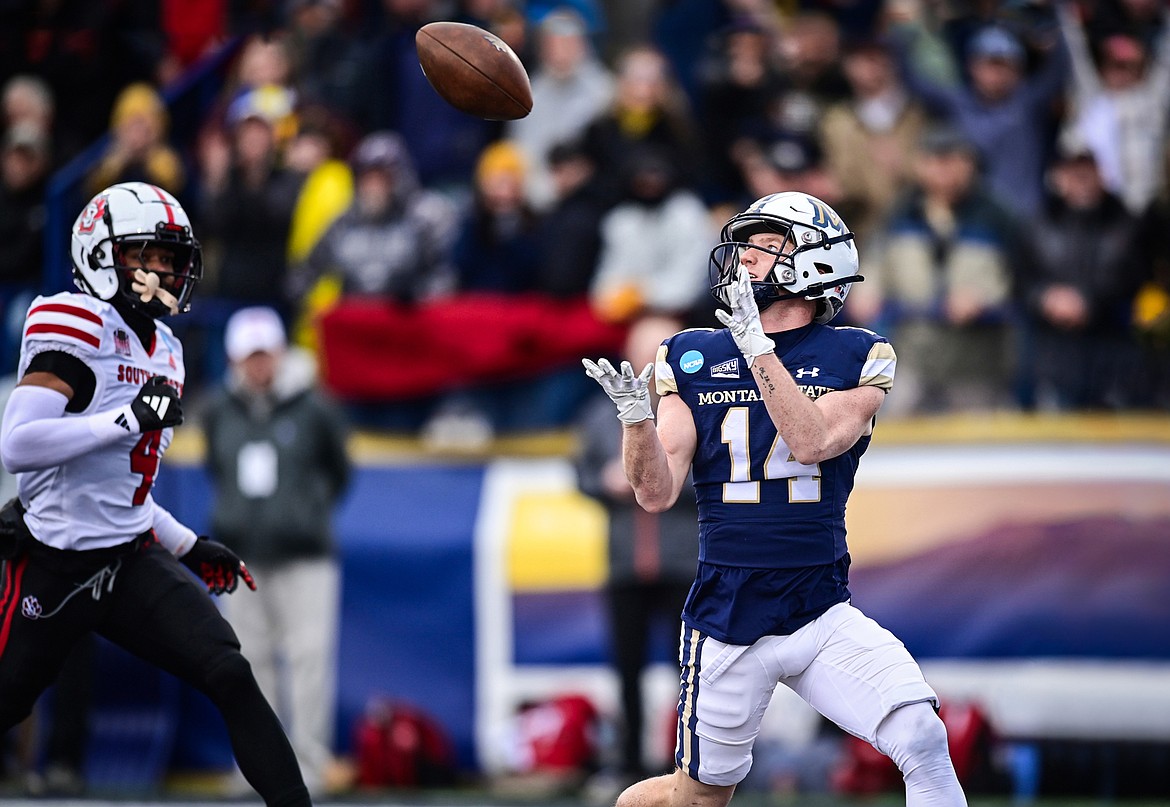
664 380
878 370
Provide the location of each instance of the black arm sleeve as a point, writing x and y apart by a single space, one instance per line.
69 369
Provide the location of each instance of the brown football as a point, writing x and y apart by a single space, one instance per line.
474 70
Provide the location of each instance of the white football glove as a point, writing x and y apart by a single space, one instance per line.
744 319
630 392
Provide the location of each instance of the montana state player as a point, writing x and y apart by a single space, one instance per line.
85 547
772 415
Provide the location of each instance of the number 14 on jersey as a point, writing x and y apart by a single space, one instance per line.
804 481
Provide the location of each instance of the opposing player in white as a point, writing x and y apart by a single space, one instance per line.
84 548
773 461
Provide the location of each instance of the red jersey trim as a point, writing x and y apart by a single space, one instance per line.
64 330
62 308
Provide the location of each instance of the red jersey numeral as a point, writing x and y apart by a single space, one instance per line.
144 459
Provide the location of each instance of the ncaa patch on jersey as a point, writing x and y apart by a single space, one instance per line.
727 369
691 361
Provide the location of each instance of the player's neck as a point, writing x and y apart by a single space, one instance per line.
142 324
787 315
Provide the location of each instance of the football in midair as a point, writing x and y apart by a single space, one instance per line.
474 70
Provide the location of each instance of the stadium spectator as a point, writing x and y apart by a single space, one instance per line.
869 138
245 209
941 284
138 150
1120 106
395 239
316 153
648 109
497 248
248 197
570 87
27 99
276 452
571 228
325 57
1082 269
654 243
1006 112
736 86
810 53
263 60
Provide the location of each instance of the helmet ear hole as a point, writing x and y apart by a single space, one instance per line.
822 268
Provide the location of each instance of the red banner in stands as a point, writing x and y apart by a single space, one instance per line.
377 350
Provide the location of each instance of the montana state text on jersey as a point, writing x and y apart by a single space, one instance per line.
760 509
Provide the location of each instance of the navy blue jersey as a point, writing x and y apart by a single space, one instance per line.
775 526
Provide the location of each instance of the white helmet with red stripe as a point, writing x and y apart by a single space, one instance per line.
132 216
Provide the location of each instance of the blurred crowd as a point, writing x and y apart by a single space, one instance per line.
1004 165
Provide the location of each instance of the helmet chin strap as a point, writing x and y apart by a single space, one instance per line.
147 286
767 293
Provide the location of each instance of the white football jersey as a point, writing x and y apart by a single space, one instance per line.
101 498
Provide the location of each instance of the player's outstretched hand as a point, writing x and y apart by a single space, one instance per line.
744 319
217 566
631 393
156 406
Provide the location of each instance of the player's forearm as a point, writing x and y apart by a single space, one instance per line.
647 468
171 533
796 416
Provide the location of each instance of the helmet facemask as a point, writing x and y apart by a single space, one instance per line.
727 257
172 293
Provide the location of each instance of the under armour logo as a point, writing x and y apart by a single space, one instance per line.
811 372
30 607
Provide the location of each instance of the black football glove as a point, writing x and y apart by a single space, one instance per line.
156 406
217 566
